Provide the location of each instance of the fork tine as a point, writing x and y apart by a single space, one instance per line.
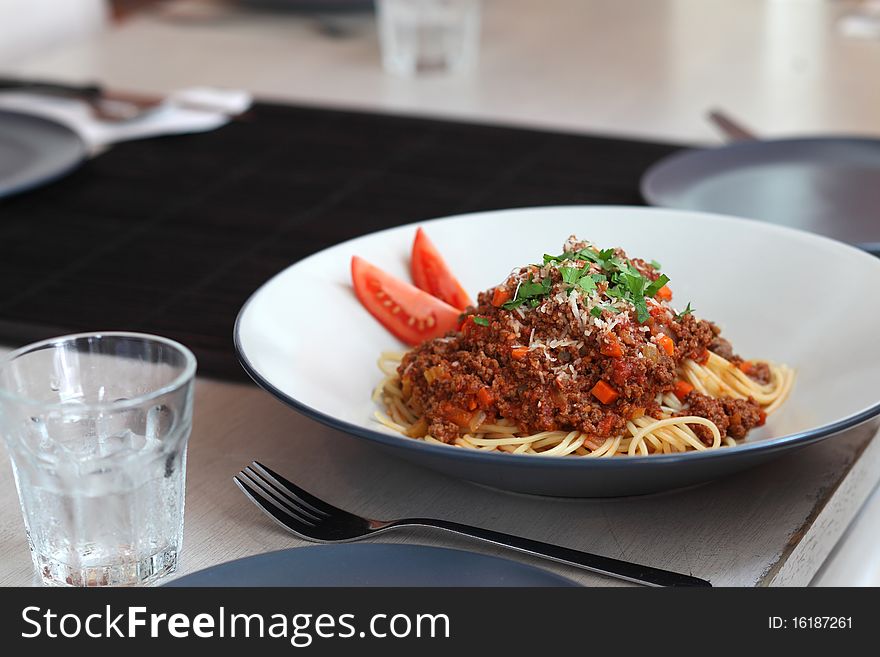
281 495
271 497
315 504
271 509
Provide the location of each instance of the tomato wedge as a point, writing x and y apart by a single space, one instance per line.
431 274
409 313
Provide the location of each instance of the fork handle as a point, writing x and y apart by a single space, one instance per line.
631 572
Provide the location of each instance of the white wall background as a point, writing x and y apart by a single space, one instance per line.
32 26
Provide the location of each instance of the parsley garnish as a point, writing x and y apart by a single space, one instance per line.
531 289
635 283
570 274
580 277
482 321
586 283
687 311
642 313
596 311
531 292
654 287
624 281
616 292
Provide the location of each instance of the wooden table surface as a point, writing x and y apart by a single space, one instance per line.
781 66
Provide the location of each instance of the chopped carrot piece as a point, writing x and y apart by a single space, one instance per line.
682 389
746 367
658 313
611 347
703 358
762 418
518 353
500 296
454 414
667 344
604 392
471 322
485 397
664 293
468 325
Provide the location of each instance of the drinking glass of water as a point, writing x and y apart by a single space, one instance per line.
96 426
428 35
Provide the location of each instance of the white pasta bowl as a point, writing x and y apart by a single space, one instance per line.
778 294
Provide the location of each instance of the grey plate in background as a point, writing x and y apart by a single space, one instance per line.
35 151
371 564
829 186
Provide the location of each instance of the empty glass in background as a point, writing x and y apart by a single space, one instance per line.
428 35
97 426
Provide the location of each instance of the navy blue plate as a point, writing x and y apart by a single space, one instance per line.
35 151
371 564
825 185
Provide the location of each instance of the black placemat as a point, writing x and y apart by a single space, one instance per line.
172 235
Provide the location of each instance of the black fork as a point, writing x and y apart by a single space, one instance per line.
313 519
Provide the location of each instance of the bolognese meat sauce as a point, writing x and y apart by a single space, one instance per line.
585 341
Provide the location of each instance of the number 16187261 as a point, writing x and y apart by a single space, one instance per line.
810 623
